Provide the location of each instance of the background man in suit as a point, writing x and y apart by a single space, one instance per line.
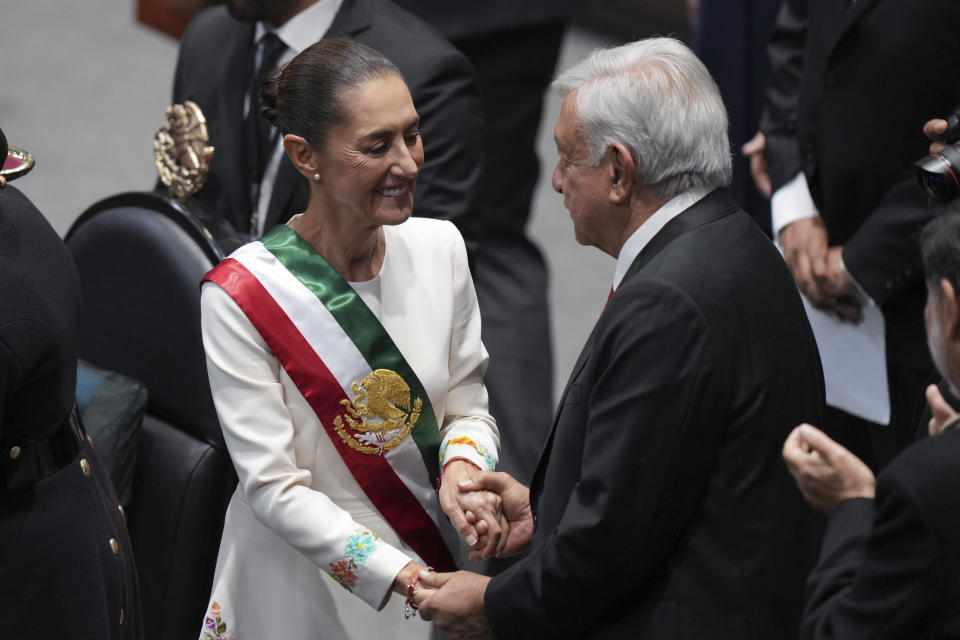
226 50
851 85
889 563
661 507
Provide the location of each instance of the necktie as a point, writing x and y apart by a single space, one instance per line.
259 132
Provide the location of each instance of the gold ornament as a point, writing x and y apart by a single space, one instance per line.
181 150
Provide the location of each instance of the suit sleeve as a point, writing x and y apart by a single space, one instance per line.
883 255
452 131
778 120
259 433
645 462
867 581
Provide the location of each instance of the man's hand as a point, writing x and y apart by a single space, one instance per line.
805 249
515 506
754 149
488 527
454 601
934 130
826 473
839 288
943 413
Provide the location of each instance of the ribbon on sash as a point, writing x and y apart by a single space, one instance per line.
332 346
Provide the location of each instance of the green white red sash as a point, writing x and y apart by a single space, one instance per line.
327 339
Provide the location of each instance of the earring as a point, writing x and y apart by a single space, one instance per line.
316 177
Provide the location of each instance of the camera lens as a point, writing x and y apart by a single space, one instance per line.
939 173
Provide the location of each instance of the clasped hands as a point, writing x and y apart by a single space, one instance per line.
492 513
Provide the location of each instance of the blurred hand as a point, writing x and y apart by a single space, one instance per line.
804 245
839 289
753 150
943 413
515 506
934 130
826 473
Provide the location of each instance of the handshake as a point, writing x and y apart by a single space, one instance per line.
492 512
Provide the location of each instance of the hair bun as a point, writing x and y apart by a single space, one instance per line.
269 94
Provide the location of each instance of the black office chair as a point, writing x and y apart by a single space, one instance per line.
141 257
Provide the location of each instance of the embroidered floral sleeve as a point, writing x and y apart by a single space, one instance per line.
464 448
359 547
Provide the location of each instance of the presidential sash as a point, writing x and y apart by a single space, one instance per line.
367 397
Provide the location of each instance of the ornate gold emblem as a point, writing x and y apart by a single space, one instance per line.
181 150
380 416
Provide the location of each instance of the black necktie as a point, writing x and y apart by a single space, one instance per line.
260 134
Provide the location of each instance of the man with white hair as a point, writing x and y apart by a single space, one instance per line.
659 508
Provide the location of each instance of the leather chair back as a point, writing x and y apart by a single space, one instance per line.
141 257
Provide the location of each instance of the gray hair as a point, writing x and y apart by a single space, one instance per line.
655 97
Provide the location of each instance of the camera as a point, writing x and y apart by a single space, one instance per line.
939 173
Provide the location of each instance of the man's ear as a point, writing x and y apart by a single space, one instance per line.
621 171
950 309
302 155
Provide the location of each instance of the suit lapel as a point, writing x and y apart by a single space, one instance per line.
537 481
850 17
354 16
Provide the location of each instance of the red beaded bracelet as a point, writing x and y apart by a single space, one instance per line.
410 606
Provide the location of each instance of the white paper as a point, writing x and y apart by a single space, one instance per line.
854 362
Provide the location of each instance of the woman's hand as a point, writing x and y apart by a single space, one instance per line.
478 532
405 575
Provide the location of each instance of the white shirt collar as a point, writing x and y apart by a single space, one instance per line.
301 31
651 227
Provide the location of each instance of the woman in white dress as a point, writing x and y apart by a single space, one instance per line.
344 355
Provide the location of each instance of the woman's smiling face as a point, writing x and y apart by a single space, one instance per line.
368 168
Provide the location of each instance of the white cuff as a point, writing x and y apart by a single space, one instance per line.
790 203
368 567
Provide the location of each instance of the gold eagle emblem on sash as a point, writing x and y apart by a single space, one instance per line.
381 414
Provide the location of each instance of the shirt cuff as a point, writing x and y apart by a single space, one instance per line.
790 203
864 298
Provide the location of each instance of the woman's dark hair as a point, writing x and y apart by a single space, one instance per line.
3 148
304 96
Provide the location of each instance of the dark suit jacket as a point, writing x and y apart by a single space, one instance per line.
214 69
663 507
849 93
889 567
